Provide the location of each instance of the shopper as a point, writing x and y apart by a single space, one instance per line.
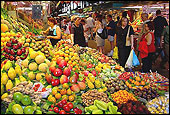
165 37
148 38
159 23
118 18
77 32
98 29
86 30
111 27
104 21
90 22
65 27
54 32
121 34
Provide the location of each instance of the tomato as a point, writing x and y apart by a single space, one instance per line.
76 110
66 108
80 111
62 112
52 69
64 102
60 104
52 106
70 105
50 110
56 109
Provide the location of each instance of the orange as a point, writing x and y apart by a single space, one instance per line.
66 59
67 51
3 39
71 53
58 96
71 98
137 78
74 63
65 85
142 83
66 48
63 92
69 92
4 27
54 92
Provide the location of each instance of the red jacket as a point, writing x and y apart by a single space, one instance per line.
144 48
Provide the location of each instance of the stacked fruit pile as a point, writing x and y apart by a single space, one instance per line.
100 106
114 84
122 96
133 107
147 94
90 96
14 50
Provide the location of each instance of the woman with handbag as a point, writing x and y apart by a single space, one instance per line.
98 29
147 47
124 37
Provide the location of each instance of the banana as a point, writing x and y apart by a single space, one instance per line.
101 105
97 112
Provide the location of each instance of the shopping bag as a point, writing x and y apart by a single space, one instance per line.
129 63
115 53
135 61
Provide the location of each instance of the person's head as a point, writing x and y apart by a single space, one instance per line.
158 12
109 17
65 21
149 26
51 21
124 14
144 16
83 22
99 17
123 22
77 20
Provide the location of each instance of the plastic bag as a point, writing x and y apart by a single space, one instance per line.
129 63
115 53
135 60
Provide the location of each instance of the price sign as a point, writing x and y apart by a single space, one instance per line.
36 11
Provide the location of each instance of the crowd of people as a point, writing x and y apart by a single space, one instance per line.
149 43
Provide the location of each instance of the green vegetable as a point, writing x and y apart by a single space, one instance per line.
97 112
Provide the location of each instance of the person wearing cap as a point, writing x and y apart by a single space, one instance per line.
53 32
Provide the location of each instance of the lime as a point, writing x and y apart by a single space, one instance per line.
17 109
10 105
38 108
26 100
17 96
38 112
28 110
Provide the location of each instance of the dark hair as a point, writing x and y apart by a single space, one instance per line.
82 20
158 12
99 17
118 18
150 25
110 16
120 22
52 20
124 14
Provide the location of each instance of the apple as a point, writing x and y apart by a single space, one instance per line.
59 60
62 64
57 72
12 52
55 82
63 79
73 80
8 44
67 71
82 85
48 77
19 52
75 88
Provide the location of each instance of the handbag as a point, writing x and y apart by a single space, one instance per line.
115 52
128 42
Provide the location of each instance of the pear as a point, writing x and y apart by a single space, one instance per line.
7 65
9 85
4 78
11 73
21 78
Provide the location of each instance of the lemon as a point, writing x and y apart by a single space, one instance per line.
31 75
4 78
39 76
11 73
33 66
4 96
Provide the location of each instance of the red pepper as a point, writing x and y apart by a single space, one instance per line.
43 89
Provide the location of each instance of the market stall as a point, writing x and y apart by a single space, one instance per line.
37 78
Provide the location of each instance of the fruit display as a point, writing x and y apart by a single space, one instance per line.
136 82
90 96
147 94
101 107
24 88
122 96
44 46
133 107
37 78
159 105
114 84
14 50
